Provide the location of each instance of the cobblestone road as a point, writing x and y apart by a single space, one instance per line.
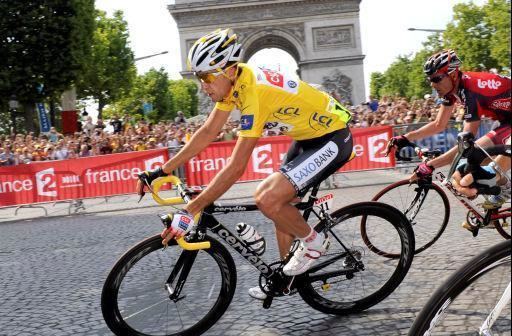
52 271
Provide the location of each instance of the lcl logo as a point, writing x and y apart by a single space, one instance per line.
286 113
318 121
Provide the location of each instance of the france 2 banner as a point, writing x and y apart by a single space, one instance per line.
96 176
369 148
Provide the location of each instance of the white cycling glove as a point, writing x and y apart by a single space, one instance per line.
180 223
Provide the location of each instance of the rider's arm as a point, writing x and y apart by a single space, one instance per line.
433 127
447 158
226 177
199 141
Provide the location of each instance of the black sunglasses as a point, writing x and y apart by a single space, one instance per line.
437 79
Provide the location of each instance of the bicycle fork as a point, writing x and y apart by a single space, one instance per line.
182 268
485 329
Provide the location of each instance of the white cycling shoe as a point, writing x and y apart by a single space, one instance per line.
305 257
257 293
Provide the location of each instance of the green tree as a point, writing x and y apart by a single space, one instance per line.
43 46
184 94
469 36
153 88
418 85
111 69
396 81
376 83
497 18
481 35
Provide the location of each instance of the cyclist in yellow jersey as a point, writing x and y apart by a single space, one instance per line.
267 100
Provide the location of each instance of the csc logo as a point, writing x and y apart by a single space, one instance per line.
377 148
46 183
154 163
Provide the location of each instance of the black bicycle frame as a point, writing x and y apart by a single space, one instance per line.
208 221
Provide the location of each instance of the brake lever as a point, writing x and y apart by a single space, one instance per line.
145 181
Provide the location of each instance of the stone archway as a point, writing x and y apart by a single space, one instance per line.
323 36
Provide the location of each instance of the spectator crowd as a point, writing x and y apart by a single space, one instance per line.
126 134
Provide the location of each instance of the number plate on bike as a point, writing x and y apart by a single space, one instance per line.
325 202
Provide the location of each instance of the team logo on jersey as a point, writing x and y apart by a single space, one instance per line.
501 104
278 126
286 113
281 80
318 121
490 83
235 94
246 122
274 77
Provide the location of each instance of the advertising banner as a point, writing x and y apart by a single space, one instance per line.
44 121
50 181
369 147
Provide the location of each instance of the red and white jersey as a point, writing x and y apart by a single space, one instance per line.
484 94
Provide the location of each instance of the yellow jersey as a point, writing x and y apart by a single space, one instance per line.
278 101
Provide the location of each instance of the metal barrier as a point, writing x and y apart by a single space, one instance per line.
444 140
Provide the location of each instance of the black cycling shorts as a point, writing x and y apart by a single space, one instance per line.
309 162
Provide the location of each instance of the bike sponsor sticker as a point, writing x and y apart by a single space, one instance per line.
307 170
325 202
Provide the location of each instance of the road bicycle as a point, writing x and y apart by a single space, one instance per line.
475 300
184 288
426 205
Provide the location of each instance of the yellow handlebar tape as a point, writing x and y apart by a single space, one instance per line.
193 246
156 185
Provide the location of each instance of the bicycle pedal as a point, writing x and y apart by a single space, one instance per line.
475 232
267 302
469 227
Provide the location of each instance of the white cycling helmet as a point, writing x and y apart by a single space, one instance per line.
215 51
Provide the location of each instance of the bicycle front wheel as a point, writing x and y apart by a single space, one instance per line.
462 305
350 277
137 296
426 207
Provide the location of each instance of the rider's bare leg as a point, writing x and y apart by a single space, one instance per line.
273 197
284 241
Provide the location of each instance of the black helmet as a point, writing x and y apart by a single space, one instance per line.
445 61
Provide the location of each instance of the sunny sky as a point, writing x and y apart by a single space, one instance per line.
383 31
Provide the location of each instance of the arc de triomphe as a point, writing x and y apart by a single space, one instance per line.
323 36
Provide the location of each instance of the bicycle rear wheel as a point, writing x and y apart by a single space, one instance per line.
136 299
350 277
426 207
462 304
